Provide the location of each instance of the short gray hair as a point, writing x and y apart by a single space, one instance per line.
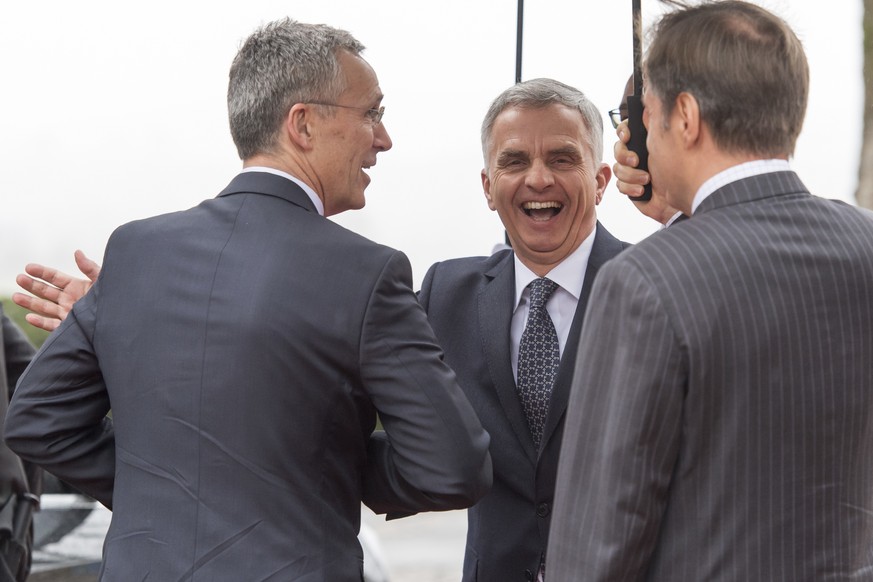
539 93
280 64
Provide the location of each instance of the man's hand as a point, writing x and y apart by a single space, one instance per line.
53 292
630 181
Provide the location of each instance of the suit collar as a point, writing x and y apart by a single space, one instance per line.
735 173
569 274
269 185
753 188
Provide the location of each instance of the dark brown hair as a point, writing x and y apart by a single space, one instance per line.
745 67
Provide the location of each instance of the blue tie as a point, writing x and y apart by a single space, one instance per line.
538 358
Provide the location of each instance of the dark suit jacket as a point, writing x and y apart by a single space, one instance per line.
20 483
245 347
720 425
469 303
16 355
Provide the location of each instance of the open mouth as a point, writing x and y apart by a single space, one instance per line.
542 211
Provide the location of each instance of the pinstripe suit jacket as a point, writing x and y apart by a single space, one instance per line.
720 425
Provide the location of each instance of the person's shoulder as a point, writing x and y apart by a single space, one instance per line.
477 265
608 242
340 241
664 253
852 211
158 222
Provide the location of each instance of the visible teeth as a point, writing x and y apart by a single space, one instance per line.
541 205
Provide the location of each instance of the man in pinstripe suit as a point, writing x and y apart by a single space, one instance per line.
720 425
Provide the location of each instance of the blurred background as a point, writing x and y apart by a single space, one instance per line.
113 111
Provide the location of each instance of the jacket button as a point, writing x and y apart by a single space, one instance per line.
543 509
528 575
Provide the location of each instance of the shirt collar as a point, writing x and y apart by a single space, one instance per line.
734 173
569 274
319 205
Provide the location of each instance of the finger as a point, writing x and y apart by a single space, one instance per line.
624 156
42 322
629 189
38 288
38 306
88 267
630 175
623 132
57 278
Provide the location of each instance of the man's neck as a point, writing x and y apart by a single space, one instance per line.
270 161
704 166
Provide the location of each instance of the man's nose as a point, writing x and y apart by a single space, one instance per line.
381 139
539 176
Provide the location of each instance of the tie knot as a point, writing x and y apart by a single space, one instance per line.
540 291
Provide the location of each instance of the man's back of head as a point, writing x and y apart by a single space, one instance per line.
744 65
282 63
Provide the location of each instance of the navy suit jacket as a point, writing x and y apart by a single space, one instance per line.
245 347
469 303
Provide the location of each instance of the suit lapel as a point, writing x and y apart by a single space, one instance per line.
495 314
605 247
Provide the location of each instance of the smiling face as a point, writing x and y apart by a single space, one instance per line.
348 140
543 181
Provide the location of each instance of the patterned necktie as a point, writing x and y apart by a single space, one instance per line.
538 358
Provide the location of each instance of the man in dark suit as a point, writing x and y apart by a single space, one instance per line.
542 143
719 420
245 346
20 483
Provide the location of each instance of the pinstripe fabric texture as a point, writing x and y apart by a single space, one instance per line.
720 425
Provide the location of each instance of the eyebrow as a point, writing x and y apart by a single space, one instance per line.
566 151
507 155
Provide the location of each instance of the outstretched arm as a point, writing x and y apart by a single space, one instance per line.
433 454
53 292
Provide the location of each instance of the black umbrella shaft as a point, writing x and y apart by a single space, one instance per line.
518 39
636 12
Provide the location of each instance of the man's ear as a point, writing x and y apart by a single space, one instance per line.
486 187
604 174
687 112
299 125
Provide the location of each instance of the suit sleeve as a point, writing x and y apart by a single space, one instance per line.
57 416
17 352
621 436
427 286
433 454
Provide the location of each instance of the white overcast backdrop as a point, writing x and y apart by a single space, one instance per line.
112 111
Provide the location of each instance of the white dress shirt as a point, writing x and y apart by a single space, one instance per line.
734 173
569 274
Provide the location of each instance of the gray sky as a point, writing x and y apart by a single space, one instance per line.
114 111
